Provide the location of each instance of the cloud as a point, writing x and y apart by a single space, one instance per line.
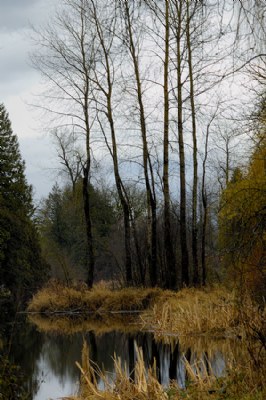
18 80
41 164
15 72
17 14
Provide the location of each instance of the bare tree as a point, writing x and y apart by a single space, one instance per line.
104 81
178 10
70 156
130 41
66 60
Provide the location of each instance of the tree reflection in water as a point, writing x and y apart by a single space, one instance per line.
49 358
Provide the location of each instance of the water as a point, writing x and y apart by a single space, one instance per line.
48 359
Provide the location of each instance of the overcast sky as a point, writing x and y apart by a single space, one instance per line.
18 84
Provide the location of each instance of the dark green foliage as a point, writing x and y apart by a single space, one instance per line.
12 382
21 266
63 229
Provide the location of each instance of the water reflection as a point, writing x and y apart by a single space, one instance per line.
49 359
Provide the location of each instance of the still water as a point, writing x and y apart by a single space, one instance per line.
48 359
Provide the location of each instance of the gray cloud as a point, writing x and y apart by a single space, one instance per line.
16 74
18 14
15 71
18 80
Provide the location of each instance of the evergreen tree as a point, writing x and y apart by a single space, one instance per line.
21 266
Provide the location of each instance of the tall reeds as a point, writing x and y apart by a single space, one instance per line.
241 381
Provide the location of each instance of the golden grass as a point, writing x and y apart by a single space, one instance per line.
144 387
212 311
243 381
58 298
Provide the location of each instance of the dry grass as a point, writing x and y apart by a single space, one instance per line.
144 387
212 311
244 382
208 312
58 298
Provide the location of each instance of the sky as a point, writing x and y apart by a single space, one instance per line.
19 85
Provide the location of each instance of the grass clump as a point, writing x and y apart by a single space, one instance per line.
57 298
244 381
211 311
145 385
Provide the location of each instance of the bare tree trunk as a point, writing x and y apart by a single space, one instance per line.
86 168
119 184
203 239
148 173
195 150
87 214
109 113
169 253
183 217
205 205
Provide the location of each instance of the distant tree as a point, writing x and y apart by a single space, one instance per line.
22 269
63 230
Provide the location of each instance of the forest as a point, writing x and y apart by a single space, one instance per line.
157 112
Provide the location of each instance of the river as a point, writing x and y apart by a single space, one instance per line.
47 356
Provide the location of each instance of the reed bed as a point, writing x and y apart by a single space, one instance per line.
57 298
212 311
244 381
145 385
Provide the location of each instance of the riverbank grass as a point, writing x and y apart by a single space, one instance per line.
57 298
210 311
243 381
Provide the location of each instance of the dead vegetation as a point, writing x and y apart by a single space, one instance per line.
203 313
57 298
213 311
243 381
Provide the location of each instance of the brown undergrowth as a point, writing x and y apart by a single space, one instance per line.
213 311
244 380
56 297
205 313
195 312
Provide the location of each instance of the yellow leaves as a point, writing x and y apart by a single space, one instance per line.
242 221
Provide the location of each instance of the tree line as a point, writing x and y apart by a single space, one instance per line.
142 88
149 136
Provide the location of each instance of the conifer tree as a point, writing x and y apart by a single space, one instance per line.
21 266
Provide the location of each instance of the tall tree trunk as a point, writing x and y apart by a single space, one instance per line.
169 253
120 188
86 168
203 239
87 208
205 209
183 217
195 150
149 181
109 113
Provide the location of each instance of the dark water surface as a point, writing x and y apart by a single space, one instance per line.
48 359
